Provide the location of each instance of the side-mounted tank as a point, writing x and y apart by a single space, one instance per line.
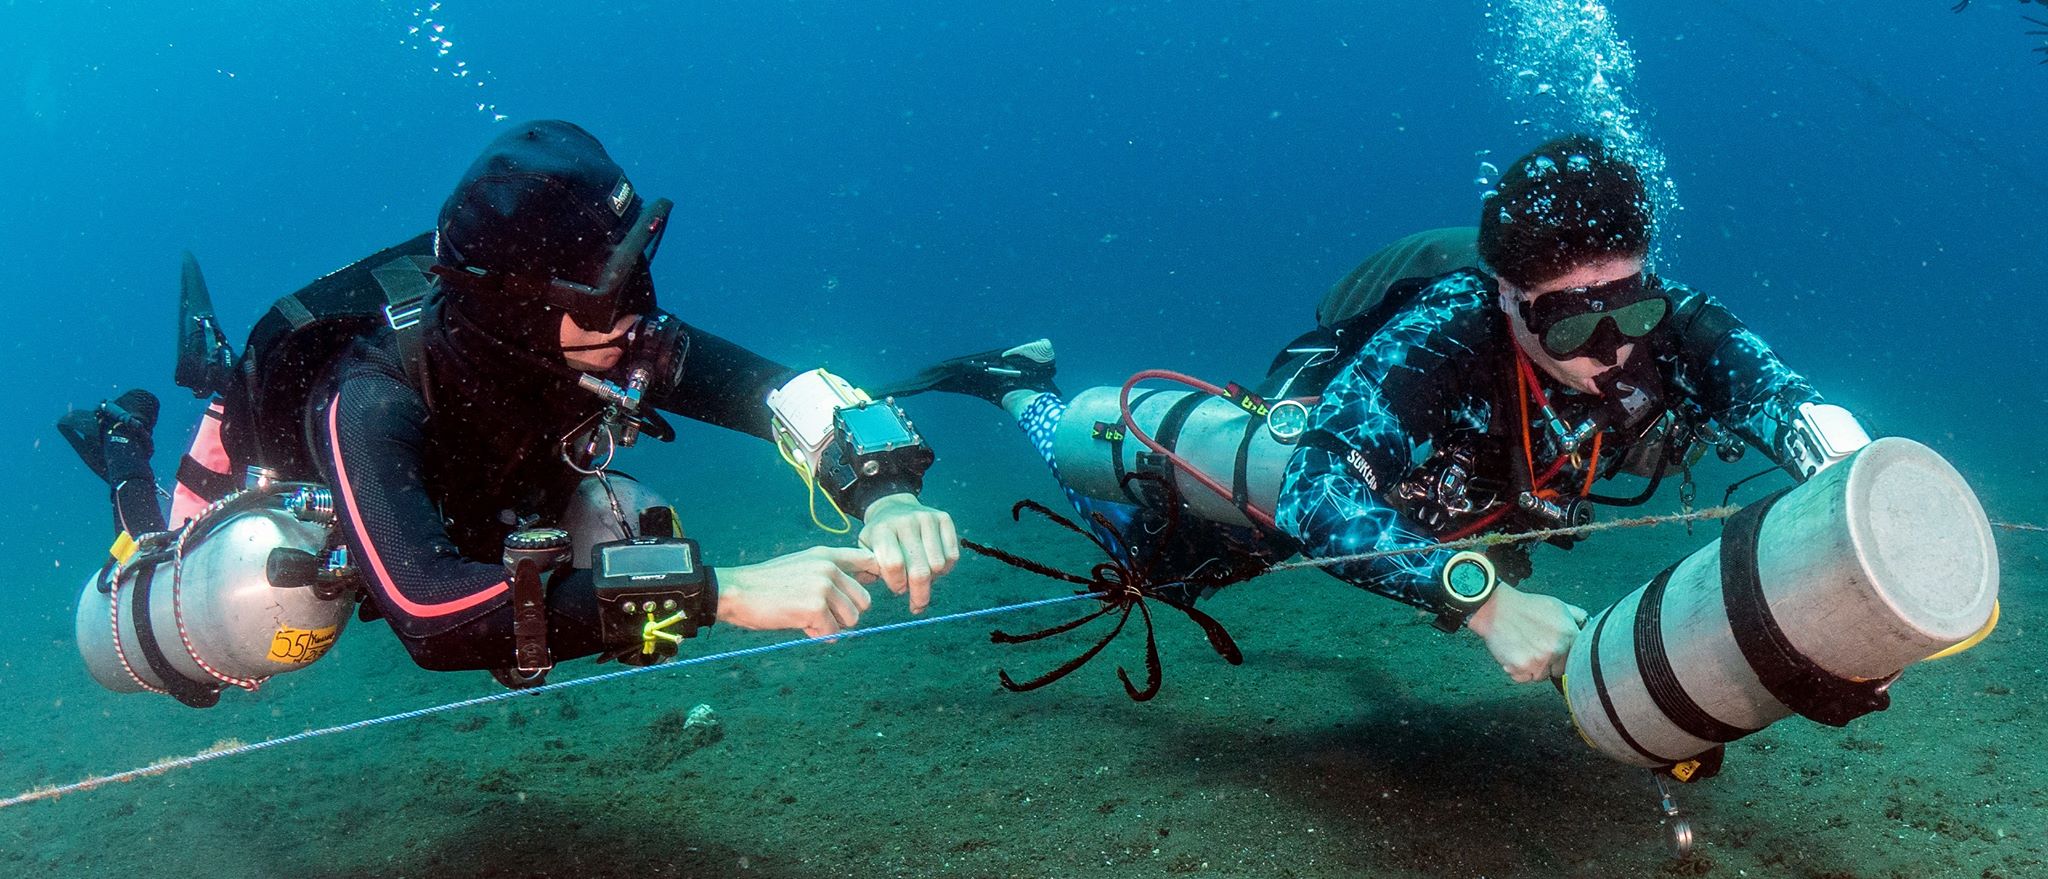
242 593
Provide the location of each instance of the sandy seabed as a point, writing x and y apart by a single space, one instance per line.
1355 740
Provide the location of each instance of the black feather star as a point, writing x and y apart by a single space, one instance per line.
1124 586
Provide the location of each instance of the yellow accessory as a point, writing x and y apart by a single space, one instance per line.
1973 640
123 549
655 631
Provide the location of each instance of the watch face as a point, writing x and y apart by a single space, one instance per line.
1467 580
1287 420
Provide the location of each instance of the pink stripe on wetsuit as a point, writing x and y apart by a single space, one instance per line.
388 589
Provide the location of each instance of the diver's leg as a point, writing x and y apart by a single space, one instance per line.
990 375
1039 413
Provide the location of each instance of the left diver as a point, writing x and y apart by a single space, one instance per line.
437 403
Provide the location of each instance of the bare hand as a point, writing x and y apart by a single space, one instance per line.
818 590
913 544
1528 634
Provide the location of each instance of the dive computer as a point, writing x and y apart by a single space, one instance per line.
652 592
1466 582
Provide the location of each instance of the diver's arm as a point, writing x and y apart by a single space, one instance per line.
723 384
1330 497
1743 385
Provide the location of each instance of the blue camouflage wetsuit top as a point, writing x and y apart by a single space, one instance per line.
1439 374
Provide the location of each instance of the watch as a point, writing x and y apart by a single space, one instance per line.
1466 582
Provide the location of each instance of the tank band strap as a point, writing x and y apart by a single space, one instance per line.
1159 493
1116 449
1653 661
1607 699
1240 476
184 689
1788 675
204 481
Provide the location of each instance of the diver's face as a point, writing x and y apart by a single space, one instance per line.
595 359
1576 373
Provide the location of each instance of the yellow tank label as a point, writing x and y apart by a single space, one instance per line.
1684 771
300 646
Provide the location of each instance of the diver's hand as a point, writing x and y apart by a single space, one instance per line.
817 590
1528 634
914 543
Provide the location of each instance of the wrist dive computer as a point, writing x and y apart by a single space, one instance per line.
652 592
1465 583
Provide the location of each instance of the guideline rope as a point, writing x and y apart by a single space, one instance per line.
236 749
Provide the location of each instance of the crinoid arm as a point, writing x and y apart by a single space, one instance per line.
1154 674
1017 514
1068 667
1001 637
1017 561
1219 638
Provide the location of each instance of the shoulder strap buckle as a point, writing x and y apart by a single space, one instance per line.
404 315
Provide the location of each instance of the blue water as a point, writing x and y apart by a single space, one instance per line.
871 185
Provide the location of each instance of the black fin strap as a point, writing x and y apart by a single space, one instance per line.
1654 663
1790 677
182 688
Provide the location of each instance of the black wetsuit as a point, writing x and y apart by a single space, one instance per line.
427 494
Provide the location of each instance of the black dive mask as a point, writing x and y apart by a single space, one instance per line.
1595 321
622 286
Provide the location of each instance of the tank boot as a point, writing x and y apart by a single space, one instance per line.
989 375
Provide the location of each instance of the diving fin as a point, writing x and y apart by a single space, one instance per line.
206 362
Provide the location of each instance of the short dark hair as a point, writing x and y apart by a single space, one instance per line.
1568 202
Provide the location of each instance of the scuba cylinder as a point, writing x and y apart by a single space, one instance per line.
1811 603
244 591
1222 450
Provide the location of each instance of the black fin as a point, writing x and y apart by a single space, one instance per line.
206 361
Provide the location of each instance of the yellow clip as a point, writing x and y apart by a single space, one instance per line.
123 549
657 630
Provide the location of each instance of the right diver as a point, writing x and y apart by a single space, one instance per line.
1469 383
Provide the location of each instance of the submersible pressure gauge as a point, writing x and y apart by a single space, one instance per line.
1287 420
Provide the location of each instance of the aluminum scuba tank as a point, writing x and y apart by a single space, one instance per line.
227 600
1213 434
1809 604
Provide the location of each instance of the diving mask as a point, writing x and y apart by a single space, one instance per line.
621 287
1568 323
